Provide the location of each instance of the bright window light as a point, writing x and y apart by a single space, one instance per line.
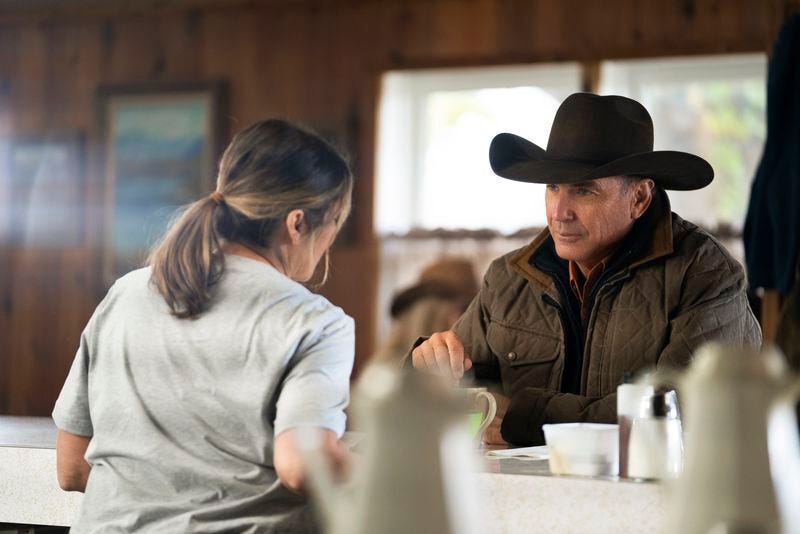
434 133
712 106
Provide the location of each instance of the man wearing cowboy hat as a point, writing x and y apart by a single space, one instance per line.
616 283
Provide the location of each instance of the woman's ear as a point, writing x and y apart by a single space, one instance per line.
295 225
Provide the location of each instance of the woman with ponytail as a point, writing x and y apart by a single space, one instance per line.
180 410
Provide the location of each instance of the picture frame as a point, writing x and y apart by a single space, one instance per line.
43 190
160 144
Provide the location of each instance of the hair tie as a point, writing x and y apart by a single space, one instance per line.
217 197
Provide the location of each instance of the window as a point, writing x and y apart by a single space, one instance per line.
433 145
713 106
435 128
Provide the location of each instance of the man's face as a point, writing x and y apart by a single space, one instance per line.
588 219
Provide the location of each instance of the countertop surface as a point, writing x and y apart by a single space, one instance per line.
40 433
515 493
27 432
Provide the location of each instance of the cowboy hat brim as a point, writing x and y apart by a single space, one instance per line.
516 158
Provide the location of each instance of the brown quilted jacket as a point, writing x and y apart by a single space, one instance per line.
672 288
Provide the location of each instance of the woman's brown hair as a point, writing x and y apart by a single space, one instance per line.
268 170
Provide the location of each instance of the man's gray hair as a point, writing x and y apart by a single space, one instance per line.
628 181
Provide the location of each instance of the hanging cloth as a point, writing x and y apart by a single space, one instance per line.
772 226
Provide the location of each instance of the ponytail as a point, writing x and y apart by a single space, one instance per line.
188 261
269 169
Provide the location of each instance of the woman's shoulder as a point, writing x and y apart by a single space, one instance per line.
266 288
132 281
318 313
124 296
137 277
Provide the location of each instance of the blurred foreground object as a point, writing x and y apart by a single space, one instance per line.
742 463
415 474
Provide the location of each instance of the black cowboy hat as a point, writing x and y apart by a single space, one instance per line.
594 137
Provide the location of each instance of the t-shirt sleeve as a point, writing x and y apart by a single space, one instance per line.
316 389
71 412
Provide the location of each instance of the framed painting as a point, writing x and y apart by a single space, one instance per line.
161 144
42 190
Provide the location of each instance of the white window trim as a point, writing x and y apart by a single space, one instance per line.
632 74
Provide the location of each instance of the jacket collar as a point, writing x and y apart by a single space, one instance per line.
660 243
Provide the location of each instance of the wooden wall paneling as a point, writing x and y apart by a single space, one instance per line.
30 77
342 99
61 56
6 315
75 305
454 30
9 39
551 30
224 54
180 38
145 49
365 81
99 67
43 309
294 80
417 31
8 57
133 48
92 68
346 49
49 299
324 57
25 90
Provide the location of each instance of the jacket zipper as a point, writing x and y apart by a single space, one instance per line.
567 319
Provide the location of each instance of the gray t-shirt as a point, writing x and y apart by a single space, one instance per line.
183 412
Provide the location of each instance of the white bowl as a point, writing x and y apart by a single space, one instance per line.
587 449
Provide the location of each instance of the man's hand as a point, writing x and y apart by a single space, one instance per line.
492 435
442 354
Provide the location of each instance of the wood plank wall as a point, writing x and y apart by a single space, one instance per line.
318 62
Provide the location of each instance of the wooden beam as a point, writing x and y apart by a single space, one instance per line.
590 76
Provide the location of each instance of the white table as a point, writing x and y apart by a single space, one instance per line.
29 491
517 495
522 496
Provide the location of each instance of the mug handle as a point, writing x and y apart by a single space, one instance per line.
490 413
